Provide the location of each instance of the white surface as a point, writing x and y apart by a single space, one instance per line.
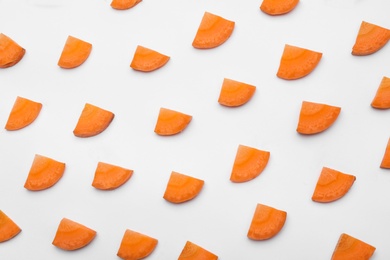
218 219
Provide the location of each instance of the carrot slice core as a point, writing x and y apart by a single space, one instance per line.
10 52
135 245
23 113
349 247
147 60
109 177
8 228
74 53
234 93
371 38
170 122
193 251
278 7
382 96
181 188
124 4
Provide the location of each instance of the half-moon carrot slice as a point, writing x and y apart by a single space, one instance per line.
181 188
193 251
371 38
385 164
170 122
135 245
44 173
92 121
124 4
147 60
349 247
109 177
332 185
71 235
382 96
234 93
266 222
10 52
212 31
23 113
315 117
74 53
248 164
297 62
278 7
8 228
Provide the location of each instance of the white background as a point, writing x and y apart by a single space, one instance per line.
218 219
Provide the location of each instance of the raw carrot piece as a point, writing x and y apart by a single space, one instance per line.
349 247
266 222
297 62
109 177
315 117
193 251
278 7
248 164
71 235
234 93
212 31
147 60
181 188
371 38
23 113
170 122
135 245
124 4
385 164
44 173
92 121
8 228
74 53
10 52
382 96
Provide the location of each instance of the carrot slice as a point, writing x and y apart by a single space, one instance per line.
147 60
385 164
278 7
10 52
297 62
8 228
248 164
315 117
181 188
170 122
382 96
109 177
371 38
193 251
92 121
74 53
124 4
234 93
71 235
349 247
44 173
135 245
266 222
23 113
212 31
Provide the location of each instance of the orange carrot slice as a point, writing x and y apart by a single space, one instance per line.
248 164
349 247
193 251
266 222
371 38
92 121
332 185
147 60
71 235
382 96
23 113
170 122
385 164
181 188
10 52
297 62
135 245
278 7
124 4
315 117
212 31
44 173
8 228
234 93
74 53
109 177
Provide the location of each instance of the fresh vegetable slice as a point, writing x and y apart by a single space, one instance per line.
74 53
382 96
386 157
193 251
181 188
212 31
371 38
234 93
349 247
10 52
23 113
109 177
135 245
8 228
278 7
147 60
170 122
124 4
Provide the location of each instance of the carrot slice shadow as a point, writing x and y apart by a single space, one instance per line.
182 188
109 177
10 52
385 164
171 122
234 93
23 113
371 38
382 96
135 245
278 7
124 4
147 60
349 247
74 53
8 228
193 251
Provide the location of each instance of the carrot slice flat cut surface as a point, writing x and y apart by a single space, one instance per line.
278 7
10 52
249 163
147 60
109 177
349 247
297 62
234 93
92 121
23 113
315 117
382 96
371 38
266 222
74 53
44 173
193 251
385 164
212 31
135 245
171 122
124 4
181 188
8 228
